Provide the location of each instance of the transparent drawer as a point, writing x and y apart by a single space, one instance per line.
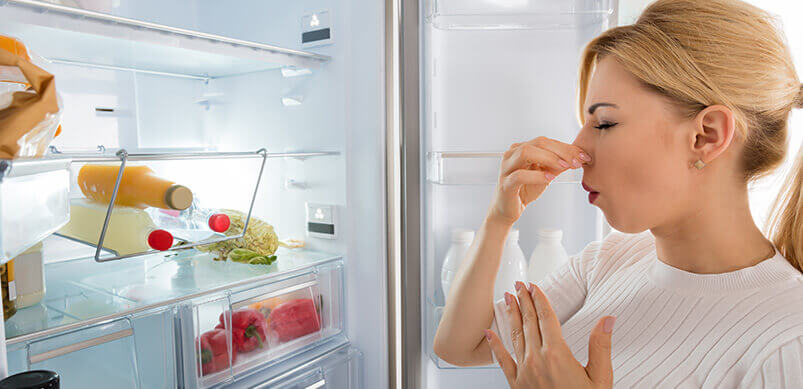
74 356
339 369
260 324
34 202
136 352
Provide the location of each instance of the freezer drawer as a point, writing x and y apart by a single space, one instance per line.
132 352
233 334
340 368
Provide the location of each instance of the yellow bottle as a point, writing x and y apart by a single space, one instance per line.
139 187
9 289
131 230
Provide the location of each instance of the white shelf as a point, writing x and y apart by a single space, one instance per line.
83 292
476 168
73 35
520 15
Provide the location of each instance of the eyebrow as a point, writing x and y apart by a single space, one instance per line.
594 107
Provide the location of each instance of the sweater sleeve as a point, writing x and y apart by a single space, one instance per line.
783 368
566 289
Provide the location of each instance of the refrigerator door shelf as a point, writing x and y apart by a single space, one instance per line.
34 202
519 15
432 316
477 168
71 35
259 325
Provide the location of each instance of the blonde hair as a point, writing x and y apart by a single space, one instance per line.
701 53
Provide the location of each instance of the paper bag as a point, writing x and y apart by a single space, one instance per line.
28 119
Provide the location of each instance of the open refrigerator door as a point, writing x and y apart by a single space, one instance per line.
492 74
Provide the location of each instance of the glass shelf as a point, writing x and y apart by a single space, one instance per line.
476 168
76 36
520 15
82 292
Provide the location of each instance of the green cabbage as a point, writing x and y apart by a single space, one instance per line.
260 237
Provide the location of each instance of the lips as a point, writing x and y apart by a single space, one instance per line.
592 195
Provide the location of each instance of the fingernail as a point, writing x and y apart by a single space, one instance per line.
519 285
488 334
576 163
549 176
508 298
563 163
607 327
585 157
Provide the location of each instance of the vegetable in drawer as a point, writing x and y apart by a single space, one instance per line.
294 319
214 351
249 329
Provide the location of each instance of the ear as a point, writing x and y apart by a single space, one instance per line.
715 127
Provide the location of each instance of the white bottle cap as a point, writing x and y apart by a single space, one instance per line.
513 236
462 235
550 233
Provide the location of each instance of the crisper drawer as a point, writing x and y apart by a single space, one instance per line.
249 328
339 369
136 351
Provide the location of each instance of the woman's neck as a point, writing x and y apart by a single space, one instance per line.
718 237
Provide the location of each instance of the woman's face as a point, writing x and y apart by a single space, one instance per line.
640 151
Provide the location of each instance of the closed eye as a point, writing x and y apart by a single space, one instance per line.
603 126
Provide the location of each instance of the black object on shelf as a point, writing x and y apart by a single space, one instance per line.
34 379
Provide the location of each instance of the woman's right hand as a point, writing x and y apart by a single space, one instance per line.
527 169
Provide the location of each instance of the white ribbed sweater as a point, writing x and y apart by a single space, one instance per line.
678 329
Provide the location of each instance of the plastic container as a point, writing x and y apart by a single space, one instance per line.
513 267
139 187
30 277
461 241
193 224
548 255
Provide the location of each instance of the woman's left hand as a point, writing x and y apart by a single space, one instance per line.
543 359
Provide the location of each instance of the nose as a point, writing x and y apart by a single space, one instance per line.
583 141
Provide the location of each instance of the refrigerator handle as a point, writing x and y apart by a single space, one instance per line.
79 346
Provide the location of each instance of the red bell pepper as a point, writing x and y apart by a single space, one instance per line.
294 319
214 351
249 329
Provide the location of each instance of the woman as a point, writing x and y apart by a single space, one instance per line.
679 112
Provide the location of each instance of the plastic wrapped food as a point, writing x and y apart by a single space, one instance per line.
260 237
29 105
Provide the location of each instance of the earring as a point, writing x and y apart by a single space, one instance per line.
699 164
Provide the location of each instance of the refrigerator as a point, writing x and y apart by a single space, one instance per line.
272 108
369 130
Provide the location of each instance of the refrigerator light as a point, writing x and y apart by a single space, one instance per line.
289 71
289 101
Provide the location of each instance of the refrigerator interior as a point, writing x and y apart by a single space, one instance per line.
494 74
220 100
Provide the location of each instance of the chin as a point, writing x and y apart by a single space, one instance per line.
625 226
